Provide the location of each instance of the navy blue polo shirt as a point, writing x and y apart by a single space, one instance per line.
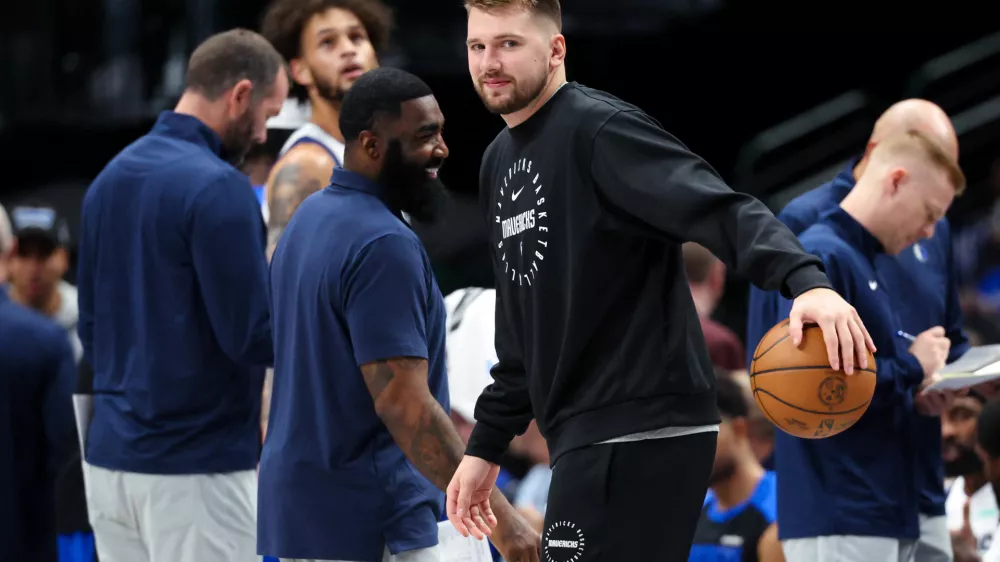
174 316
350 284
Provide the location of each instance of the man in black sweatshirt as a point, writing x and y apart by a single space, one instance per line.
588 202
174 319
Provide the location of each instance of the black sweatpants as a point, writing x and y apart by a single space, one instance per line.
636 501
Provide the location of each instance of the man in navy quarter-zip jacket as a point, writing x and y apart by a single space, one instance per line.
921 274
854 497
174 318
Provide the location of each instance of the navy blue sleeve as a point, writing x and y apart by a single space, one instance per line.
85 283
227 247
57 402
762 315
953 309
385 295
897 371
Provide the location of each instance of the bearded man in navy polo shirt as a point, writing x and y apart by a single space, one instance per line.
359 445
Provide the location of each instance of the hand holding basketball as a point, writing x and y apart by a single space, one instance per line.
843 331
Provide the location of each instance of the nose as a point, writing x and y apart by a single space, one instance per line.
947 428
347 47
489 62
441 150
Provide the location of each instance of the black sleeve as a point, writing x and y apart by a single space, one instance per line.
504 408
645 173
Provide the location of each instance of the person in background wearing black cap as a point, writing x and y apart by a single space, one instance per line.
39 262
36 428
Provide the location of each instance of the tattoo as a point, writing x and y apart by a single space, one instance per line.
290 187
418 424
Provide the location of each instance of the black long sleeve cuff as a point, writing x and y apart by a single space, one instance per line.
488 443
801 279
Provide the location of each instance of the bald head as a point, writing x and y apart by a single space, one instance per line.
917 115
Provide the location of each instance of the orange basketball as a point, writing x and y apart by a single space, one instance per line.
799 392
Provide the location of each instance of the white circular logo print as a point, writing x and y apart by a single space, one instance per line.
522 222
563 542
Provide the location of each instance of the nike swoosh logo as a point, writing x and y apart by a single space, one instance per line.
513 196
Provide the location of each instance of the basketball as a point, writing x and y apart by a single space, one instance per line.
799 392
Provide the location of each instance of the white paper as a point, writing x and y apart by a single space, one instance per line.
83 411
456 548
978 360
957 382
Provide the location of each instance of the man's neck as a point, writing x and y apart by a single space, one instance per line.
326 115
740 486
49 306
863 209
555 81
973 482
197 106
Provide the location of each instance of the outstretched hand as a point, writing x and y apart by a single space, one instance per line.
468 503
845 334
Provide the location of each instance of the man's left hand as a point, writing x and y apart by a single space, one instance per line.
845 334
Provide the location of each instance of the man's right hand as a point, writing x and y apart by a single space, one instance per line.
931 349
468 493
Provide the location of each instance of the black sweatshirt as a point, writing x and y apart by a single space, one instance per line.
588 203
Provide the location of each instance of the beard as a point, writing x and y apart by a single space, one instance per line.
329 90
408 188
967 462
524 92
238 139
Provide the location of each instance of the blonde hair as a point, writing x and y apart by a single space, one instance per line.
913 141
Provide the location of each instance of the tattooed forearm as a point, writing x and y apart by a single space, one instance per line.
418 424
290 186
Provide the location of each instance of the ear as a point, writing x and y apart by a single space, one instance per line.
240 98
62 257
892 180
558 50
370 143
300 73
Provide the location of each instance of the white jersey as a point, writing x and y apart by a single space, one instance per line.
982 512
470 346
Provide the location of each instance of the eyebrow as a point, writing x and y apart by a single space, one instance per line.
497 38
430 128
327 30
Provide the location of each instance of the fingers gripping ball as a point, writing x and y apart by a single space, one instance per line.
799 392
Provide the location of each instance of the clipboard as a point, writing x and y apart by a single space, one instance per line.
454 547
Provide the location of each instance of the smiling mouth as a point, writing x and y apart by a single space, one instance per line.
432 173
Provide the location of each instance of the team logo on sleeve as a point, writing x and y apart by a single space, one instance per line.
522 223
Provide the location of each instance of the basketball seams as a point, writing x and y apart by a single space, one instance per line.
816 412
807 368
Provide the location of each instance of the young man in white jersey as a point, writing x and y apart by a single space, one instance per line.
328 45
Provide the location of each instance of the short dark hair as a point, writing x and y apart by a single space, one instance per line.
379 91
285 19
731 397
225 58
547 8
